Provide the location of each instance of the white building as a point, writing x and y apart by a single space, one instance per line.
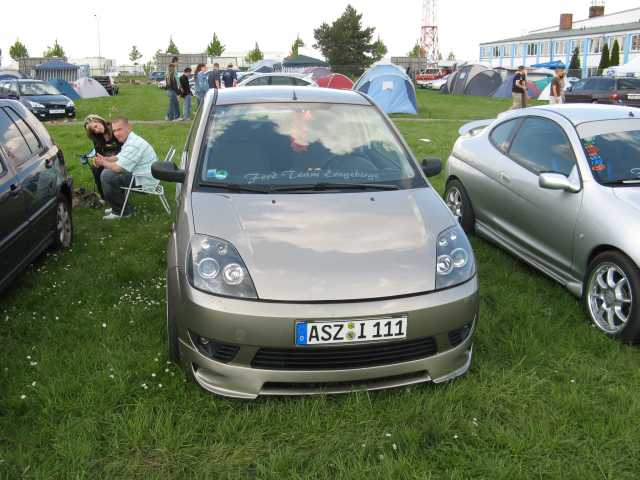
559 42
95 65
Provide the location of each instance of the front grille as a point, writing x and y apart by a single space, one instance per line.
218 351
344 357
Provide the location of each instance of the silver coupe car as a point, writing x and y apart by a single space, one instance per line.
309 252
559 187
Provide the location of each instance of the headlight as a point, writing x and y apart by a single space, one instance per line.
454 258
70 103
36 105
214 266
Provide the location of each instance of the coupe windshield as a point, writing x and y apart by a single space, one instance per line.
37 88
276 145
613 150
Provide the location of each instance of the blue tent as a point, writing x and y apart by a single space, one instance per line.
393 92
64 88
377 70
504 90
550 65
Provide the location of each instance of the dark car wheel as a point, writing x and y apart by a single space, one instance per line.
456 198
64 224
172 330
612 296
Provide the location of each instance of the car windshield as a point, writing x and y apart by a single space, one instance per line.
613 150
37 88
280 145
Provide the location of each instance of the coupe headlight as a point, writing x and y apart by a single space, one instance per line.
214 266
35 104
454 258
70 103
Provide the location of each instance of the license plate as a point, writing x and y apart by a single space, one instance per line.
56 111
353 331
633 96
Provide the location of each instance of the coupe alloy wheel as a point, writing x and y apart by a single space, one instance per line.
610 298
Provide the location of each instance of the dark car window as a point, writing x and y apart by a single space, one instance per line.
629 84
32 140
258 81
12 140
38 88
542 146
277 80
501 135
579 85
13 88
300 82
4 89
605 84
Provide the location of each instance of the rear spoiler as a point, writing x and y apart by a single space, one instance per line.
476 125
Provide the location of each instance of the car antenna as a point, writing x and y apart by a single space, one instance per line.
295 97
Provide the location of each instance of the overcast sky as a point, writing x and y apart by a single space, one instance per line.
274 24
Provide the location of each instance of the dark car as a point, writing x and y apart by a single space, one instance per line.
608 90
107 82
157 76
35 191
41 98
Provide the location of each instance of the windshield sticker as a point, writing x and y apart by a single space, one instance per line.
315 174
593 152
217 174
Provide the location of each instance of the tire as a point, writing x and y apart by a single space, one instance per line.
172 330
594 101
456 198
64 224
612 296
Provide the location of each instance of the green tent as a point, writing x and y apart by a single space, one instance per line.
303 61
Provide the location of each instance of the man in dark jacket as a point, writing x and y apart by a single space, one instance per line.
214 76
185 92
229 77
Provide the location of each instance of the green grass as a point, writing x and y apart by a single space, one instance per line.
547 395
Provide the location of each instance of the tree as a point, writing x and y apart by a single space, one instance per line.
135 55
416 51
55 51
18 51
346 44
614 60
172 47
379 50
295 48
604 58
215 48
574 65
451 57
254 55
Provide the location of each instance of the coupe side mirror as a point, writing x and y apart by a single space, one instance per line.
431 166
557 181
168 172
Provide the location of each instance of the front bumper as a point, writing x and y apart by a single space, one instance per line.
45 113
246 327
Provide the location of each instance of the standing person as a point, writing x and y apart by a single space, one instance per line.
519 89
229 77
214 76
173 112
557 87
185 92
100 132
201 82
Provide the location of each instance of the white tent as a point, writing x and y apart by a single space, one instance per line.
628 69
89 88
545 94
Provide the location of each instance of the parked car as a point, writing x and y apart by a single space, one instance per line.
35 191
559 187
263 79
41 98
157 76
323 262
424 78
107 82
438 84
607 90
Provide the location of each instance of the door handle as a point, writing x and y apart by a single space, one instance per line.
15 190
504 177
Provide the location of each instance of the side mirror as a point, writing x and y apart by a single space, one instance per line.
431 166
168 172
557 181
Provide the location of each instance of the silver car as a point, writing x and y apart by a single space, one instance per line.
309 253
278 78
559 187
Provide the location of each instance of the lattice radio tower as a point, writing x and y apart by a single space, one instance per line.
429 34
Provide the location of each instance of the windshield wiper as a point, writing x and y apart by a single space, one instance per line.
316 187
234 187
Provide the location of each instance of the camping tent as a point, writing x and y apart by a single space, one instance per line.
377 69
504 91
301 61
392 92
89 88
546 93
56 69
317 72
474 79
336 81
65 88
628 69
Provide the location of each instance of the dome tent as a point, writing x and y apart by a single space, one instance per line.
377 69
392 90
504 91
474 79
90 88
64 88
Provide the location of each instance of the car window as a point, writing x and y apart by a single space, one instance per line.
579 85
4 88
542 146
300 82
32 140
605 84
13 88
629 84
38 88
256 82
277 80
501 135
3 169
12 141
591 84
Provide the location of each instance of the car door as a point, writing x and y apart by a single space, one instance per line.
13 216
543 221
578 93
603 89
39 180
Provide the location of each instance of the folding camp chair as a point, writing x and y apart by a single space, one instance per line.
155 189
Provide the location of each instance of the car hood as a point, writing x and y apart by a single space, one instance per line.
629 195
330 247
47 99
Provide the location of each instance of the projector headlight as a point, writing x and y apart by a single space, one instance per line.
70 104
35 104
454 258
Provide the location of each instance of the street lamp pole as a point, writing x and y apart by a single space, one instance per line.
99 52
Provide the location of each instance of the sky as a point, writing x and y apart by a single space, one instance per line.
273 24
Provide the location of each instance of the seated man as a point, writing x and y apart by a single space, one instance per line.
135 158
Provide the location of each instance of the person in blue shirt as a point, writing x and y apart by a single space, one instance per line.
229 77
202 82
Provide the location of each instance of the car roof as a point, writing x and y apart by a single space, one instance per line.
578 113
281 74
267 94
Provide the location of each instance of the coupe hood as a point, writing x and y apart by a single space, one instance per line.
48 99
330 247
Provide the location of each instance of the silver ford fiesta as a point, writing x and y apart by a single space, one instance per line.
559 187
309 253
